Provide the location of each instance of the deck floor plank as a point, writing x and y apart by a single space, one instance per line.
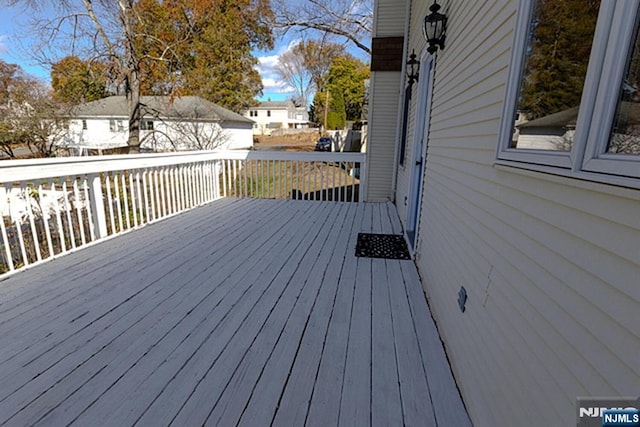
82 263
122 344
219 362
447 406
325 403
294 402
240 387
385 392
355 404
135 292
240 312
154 250
266 392
414 387
213 303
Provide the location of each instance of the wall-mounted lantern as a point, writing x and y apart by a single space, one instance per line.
435 28
413 68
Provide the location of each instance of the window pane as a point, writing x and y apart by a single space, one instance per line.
556 59
625 135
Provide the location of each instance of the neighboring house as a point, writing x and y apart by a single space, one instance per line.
544 243
271 115
183 123
557 131
551 132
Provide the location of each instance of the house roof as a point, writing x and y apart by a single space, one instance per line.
192 107
274 105
560 119
630 111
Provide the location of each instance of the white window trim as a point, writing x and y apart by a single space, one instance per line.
596 158
587 159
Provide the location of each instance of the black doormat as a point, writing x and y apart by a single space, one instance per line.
388 246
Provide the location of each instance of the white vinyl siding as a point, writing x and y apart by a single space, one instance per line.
381 146
392 23
550 264
404 172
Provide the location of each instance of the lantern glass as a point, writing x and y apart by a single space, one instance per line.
413 68
434 28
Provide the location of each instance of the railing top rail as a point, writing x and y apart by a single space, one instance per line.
309 156
22 170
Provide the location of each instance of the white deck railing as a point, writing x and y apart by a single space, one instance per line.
52 206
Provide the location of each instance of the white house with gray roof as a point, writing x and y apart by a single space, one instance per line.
270 115
184 123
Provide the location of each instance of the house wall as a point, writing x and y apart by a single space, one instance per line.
240 136
381 144
265 123
96 135
99 136
550 264
385 87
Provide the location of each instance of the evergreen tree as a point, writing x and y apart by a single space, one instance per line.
337 117
347 75
560 44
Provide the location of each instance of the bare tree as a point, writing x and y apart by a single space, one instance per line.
198 135
47 123
28 113
305 67
351 20
104 30
292 70
192 128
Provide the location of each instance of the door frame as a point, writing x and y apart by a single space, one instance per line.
419 151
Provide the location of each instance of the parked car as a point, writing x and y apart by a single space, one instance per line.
323 144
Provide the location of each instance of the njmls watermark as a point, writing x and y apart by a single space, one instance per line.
608 411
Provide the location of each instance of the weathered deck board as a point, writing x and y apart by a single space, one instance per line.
241 312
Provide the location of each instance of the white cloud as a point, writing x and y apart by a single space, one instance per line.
276 86
268 61
266 67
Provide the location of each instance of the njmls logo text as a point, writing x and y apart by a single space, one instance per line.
621 417
599 412
608 412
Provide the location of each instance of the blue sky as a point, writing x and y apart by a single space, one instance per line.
12 50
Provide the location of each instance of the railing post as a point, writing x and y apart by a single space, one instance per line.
363 179
97 206
216 179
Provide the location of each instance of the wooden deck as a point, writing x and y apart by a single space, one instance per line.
241 312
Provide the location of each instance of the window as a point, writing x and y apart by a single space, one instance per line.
120 126
268 113
84 124
112 125
572 98
146 125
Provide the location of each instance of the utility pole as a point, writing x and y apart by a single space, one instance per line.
326 110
